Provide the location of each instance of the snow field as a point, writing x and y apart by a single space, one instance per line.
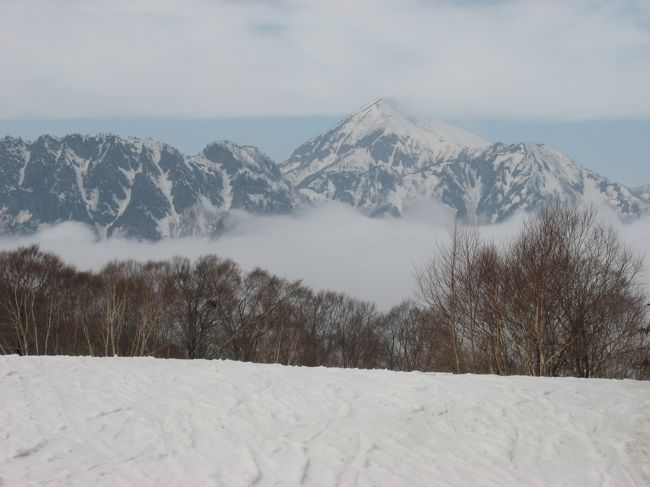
77 421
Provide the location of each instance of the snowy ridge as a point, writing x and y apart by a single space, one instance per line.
381 160
383 115
133 187
149 422
643 192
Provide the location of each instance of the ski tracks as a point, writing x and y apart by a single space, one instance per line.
111 422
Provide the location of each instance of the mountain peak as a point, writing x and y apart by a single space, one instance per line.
386 116
382 160
385 105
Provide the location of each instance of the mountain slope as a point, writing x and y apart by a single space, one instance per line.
642 192
382 161
133 187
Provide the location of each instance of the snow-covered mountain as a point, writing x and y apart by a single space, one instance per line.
381 160
642 192
133 187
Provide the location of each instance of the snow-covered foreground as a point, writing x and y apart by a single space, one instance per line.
89 421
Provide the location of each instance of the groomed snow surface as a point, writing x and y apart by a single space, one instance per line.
149 422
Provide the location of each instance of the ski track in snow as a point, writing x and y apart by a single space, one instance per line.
148 422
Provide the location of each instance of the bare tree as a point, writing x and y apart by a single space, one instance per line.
562 299
27 299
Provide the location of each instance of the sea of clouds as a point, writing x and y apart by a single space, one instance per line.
328 247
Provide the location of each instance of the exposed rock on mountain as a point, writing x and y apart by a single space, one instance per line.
133 187
381 160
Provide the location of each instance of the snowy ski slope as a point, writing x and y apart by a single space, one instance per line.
147 422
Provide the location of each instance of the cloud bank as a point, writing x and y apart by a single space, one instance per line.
328 247
582 59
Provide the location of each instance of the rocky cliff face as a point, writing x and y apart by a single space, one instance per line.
133 187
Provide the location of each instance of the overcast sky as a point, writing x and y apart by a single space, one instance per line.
572 74
554 59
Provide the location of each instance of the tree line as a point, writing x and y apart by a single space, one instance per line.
564 298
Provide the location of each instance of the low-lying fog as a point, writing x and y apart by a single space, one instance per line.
329 247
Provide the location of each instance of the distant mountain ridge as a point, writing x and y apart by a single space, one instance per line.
134 187
381 160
